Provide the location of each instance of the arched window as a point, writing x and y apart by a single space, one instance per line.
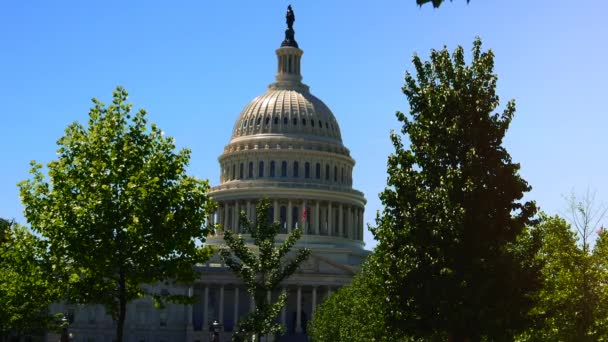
250 173
233 171
342 176
261 169
312 123
307 168
318 171
272 168
276 120
320 124
326 171
285 121
295 121
303 122
267 121
296 168
241 170
257 122
283 168
335 173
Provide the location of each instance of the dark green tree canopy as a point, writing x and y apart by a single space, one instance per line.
457 256
262 268
118 207
28 283
436 3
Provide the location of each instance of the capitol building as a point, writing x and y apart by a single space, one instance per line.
286 146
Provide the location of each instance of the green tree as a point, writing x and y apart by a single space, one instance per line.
436 3
119 209
572 304
355 312
27 283
457 256
262 269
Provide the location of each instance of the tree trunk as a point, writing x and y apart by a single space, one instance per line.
122 298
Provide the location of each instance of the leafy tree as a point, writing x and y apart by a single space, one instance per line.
27 283
355 312
118 208
572 303
262 269
436 3
457 257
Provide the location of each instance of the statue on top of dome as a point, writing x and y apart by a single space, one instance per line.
290 39
290 17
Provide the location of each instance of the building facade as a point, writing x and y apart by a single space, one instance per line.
286 146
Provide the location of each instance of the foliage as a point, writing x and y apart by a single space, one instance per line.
27 285
355 312
262 269
118 208
572 303
436 3
457 257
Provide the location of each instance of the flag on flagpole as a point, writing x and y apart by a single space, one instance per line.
304 215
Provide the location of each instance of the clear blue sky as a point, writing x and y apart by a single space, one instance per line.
194 65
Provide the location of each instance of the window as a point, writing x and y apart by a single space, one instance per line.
294 217
335 173
307 168
318 171
233 171
272 168
296 168
162 318
295 121
276 120
320 124
312 123
327 172
283 168
303 122
250 173
342 176
285 121
257 122
283 218
241 171
267 121
261 169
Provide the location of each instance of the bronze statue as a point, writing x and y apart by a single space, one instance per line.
290 17
290 39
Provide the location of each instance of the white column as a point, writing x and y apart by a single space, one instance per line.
221 310
299 311
236 227
284 309
317 212
206 307
275 211
289 218
225 218
236 305
340 220
189 318
351 223
330 220
314 299
249 211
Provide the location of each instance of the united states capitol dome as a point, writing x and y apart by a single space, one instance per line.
286 146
